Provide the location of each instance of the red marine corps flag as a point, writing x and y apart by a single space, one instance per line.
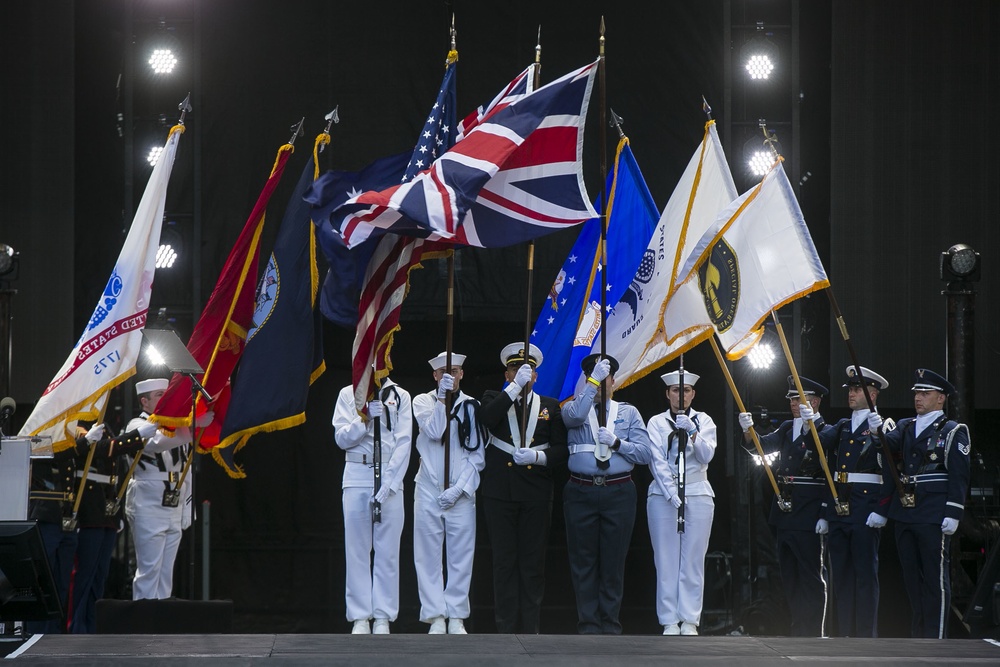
220 334
106 353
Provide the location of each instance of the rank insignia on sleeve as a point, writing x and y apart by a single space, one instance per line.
965 449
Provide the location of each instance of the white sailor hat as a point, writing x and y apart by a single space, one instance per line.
438 362
514 354
146 386
870 377
927 380
673 378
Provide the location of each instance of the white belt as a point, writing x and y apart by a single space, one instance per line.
95 477
356 457
695 477
156 475
582 449
858 478
509 448
930 477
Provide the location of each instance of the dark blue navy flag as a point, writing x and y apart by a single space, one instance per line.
571 319
284 345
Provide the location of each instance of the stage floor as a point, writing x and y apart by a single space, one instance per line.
408 649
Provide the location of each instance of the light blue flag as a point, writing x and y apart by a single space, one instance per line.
570 321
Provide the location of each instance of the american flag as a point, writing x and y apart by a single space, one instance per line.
385 281
514 176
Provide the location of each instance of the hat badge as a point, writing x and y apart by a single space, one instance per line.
920 372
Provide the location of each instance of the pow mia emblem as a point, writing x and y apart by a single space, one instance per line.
633 295
719 280
965 449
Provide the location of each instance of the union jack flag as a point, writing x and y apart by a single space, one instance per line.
514 176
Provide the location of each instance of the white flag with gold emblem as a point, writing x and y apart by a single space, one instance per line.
639 334
758 257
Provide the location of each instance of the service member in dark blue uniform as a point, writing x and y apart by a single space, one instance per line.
801 550
935 461
99 519
856 466
516 487
599 500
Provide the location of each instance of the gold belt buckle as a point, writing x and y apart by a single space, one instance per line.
842 477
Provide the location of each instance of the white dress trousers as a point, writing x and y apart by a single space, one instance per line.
680 557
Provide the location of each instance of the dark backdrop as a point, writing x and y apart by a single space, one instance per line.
897 163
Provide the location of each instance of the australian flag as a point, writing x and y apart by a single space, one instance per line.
284 347
571 319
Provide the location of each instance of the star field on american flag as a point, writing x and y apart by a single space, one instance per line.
435 136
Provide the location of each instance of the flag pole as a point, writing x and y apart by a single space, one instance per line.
531 265
682 440
783 505
906 499
602 408
449 329
842 508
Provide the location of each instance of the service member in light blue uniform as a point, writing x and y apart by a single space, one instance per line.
680 556
599 500
935 461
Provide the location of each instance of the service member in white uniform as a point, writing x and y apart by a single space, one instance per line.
444 510
156 528
373 583
680 557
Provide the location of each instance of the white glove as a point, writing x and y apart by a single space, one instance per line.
374 409
746 421
675 501
949 525
147 430
445 384
523 376
204 420
605 436
822 527
806 412
95 433
601 370
684 422
876 520
874 421
525 457
449 497
383 494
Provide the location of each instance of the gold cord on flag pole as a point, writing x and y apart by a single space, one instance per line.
782 504
841 507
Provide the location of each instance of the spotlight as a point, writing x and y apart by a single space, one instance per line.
154 155
760 151
960 262
165 256
154 356
8 259
759 162
759 55
761 356
162 61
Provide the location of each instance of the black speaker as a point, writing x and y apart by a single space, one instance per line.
164 617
